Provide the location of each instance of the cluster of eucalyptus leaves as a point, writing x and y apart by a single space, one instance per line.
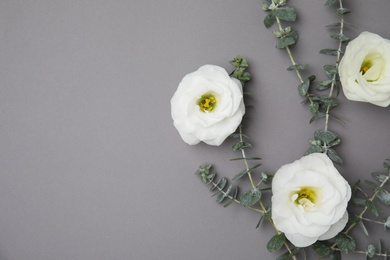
367 195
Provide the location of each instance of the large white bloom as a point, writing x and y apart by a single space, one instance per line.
365 70
208 106
309 200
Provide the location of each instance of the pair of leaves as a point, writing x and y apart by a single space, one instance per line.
285 13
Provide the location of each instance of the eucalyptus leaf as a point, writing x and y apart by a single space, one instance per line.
340 37
322 85
334 156
285 13
325 136
330 2
321 248
379 177
298 67
363 227
250 197
359 202
384 196
314 149
314 107
387 223
345 243
269 20
386 166
224 194
331 52
276 242
374 208
241 145
343 11
284 42
304 87
336 255
371 251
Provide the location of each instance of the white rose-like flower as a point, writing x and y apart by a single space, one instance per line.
365 70
207 106
309 200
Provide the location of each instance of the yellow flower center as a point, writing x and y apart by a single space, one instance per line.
366 65
207 102
305 197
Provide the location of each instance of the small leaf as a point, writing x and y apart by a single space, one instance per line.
358 202
243 173
343 11
314 149
379 177
248 159
220 184
324 84
285 13
224 194
345 243
325 136
314 107
384 196
372 185
387 223
241 145
331 52
269 20
334 156
336 255
321 248
250 197
340 37
238 136
298 67
233 196
330 2
386 166
363 227
284 42
304 87
371 251
329 101
276 242
374 208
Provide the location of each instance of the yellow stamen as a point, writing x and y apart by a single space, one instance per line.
207 102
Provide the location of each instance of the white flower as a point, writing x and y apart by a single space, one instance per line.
207 106
309 200
365 70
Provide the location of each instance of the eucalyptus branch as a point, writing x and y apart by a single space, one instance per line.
353 224
338 56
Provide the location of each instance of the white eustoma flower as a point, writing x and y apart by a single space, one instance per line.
207 106
309 200
365 70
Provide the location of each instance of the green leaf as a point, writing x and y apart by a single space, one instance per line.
325 136
343 11
387 223
314 107
241 145
359 202
334 156
379 177
288 255
238 136
363 227
345 243
233 196
285 41
220 184
386 166
276 242
298 67
248 159
372 185
331 52
322 85
329 101
285 13
371 251
269 20
243 173
304 87
374 208
336 255
224 194
314 149
330 2
384 196
250 197
340 37
321 248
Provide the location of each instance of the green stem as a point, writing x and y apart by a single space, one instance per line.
292 60
373 221
337 65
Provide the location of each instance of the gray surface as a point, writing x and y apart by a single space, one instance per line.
91 165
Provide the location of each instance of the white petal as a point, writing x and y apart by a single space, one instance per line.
335 228
301 241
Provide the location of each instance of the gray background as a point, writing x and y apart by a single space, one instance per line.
91 165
